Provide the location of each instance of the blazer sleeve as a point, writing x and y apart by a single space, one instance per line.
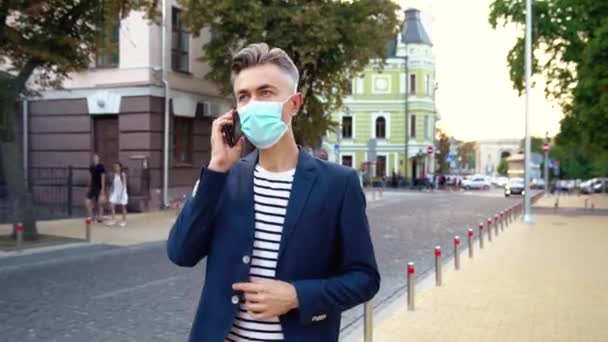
190 236
359 279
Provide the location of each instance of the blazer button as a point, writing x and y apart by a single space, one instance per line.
235 299
246 259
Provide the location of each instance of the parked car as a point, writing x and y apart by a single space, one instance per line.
537 183
594 185
476 182
515 187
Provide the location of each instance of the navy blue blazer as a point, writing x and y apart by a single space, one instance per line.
326 250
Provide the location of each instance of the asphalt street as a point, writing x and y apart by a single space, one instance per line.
105 293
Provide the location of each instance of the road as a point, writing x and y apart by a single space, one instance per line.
104 293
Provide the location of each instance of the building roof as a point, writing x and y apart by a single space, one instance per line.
412 32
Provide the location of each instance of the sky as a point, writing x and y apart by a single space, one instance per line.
475 98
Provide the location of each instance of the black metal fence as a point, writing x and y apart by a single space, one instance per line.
57 194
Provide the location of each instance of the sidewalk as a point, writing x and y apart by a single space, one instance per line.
542 282
141 228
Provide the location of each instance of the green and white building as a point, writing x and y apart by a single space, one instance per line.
394 107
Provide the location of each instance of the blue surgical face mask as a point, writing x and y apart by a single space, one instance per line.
261 122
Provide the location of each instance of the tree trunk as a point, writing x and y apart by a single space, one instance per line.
19 197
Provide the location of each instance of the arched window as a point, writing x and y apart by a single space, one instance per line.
381 128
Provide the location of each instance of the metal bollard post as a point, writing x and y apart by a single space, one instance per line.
456 252
592 206
480 235
368 317
470 235
411 286
438 265
19 236
489 229
502 220
496 224
87 223
586 203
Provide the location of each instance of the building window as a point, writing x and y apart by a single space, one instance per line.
413 84
182 140
347 161
380 166
413 126
108 47
427 84
347 127
348 87
426 127
381 128
180 44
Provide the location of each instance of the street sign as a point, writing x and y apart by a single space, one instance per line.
545 147
429 150
337 148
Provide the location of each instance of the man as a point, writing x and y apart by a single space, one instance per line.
97 184
285 234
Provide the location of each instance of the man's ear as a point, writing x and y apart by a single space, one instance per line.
297 100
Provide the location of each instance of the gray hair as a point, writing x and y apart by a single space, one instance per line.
260 54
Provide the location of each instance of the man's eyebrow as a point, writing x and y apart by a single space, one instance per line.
266 87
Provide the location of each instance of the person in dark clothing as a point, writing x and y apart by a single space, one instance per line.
96 194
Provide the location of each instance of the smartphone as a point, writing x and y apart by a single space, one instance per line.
232 133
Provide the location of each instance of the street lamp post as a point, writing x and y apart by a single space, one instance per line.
546 163
406 112
527 217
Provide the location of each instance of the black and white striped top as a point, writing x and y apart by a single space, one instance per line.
271 195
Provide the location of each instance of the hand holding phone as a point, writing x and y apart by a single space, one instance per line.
226 142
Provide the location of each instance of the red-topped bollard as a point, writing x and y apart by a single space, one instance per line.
502 220
496 224
438 265
411 286
456 252
480 235
489 229
470 235
87 224
19 231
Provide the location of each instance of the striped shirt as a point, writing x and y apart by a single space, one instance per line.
271 192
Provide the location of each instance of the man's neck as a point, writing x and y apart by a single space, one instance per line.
283 156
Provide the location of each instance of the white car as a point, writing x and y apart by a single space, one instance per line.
476 182
500 181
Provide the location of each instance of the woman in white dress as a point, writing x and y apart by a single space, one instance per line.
119 196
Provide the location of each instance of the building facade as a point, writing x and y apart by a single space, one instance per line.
488 154
394 107
116 109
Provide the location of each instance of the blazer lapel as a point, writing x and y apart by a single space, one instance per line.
246 191
303 180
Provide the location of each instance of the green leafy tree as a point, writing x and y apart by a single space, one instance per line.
330 42
570 43
444 149
466 153
503 167
51 38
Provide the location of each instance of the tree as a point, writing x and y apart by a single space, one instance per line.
330 42
570 43
503 167
444 150
51 38
466 153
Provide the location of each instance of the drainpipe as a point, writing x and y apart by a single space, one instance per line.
167 108
25 139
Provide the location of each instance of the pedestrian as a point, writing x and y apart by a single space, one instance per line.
96 196
285 234
119 196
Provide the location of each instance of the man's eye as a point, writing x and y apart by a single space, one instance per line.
266 93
